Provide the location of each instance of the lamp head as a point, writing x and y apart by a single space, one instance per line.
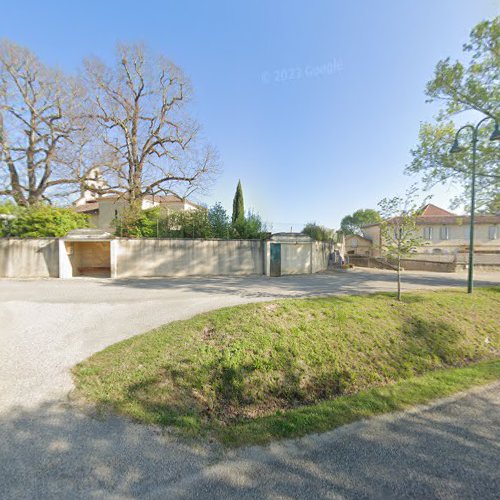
456 147
495 135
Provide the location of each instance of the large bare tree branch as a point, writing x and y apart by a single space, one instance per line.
38 106
139 108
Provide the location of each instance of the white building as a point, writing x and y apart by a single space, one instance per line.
103 209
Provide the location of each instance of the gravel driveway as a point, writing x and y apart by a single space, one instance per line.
50 449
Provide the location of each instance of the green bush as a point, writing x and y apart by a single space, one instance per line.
318 233
160 223
8 208
201 223
138 224
250 227
44 221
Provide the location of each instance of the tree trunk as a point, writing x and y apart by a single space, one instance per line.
399 278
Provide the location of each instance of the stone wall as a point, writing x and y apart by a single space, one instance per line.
428 265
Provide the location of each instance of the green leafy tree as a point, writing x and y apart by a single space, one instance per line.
9 208
195 224
219 221
138 223
41 221
8 212
464 86
318 233
351 224
238 206
160 223
251 227
399 233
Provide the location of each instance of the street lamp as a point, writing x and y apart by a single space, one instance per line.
495 136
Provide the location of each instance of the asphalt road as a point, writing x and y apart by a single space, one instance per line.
50 449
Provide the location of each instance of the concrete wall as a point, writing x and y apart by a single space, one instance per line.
428 265
29 258
296 258
179 257
487 259
124 258
320 256
373 262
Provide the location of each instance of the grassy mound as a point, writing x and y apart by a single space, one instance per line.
237 365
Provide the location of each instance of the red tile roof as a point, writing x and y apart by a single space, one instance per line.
431 214
431 210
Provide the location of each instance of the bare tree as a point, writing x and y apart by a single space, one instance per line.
139 110
39 112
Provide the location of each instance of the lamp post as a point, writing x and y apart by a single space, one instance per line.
495 136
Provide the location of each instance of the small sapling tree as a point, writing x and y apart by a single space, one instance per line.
399 233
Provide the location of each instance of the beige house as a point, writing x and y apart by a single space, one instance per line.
358 245
445 233
102 210
105 209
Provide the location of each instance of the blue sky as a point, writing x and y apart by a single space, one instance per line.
314 105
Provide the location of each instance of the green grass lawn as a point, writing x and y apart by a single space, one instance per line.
252 373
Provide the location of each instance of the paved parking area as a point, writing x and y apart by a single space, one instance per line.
50 449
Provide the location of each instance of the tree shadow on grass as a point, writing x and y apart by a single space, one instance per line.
435 337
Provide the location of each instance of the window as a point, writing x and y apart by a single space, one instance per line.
443 233
493 232
397 233
354 243
428 233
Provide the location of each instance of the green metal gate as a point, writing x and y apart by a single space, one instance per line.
275 267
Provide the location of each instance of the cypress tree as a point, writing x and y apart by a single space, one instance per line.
238 206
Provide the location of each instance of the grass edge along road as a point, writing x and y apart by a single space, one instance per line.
328 415
249 374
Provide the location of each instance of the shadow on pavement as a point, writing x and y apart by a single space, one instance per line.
355 282
448 451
